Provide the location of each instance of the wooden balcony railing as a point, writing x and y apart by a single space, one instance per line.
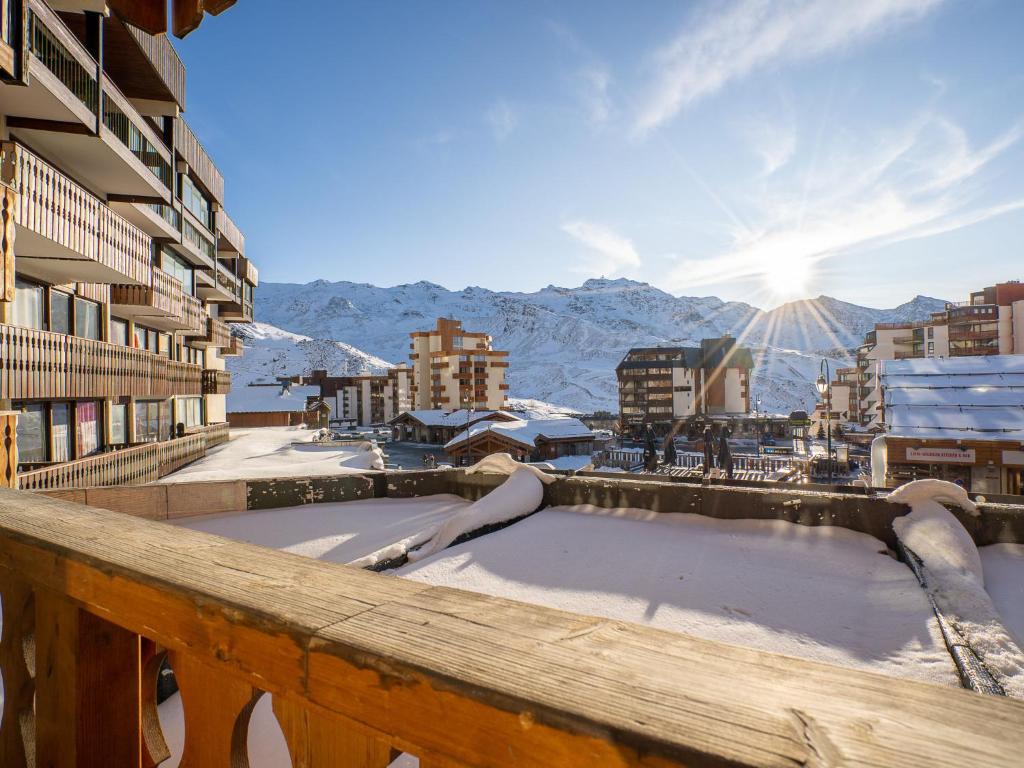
230 236
216 382
132 130
235 348
193 316
247 271
215 433
164 294
358 664
40 364
962 335
53 44
165 61
202 166
54 207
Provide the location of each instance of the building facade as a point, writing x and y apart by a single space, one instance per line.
660 385
453 368
990 322
365 399
121 270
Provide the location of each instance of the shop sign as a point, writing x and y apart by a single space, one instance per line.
941 455
1013 458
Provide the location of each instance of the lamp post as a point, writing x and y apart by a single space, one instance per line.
825 390
757 422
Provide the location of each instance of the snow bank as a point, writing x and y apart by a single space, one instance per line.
823 593
520 495
504 464
954 575
1004 582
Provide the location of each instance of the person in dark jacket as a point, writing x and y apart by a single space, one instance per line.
709 450
650 449
670 450
724 454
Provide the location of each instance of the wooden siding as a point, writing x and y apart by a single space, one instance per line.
165 61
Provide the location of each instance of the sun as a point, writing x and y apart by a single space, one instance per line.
788 277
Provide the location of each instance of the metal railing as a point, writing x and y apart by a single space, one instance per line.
121 124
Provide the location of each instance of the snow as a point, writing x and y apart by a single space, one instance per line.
954 575
1004 582
265 399
339 532
276 452
459 418
574 463
954 366
504 464
527 431
530 408
823 593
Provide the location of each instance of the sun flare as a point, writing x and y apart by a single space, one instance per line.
789 277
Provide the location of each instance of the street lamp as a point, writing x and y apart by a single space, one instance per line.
826 395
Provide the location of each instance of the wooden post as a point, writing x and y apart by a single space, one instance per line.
87 688
318 740
8 449
17 745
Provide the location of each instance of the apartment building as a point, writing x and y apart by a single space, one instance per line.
454 368
660 385
121 268
990 322
364 399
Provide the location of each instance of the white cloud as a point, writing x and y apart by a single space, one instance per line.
502 119
612 253
916 182
774 142
748 35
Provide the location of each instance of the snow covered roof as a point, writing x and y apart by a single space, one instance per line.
527 431
459 418
269 399
959 398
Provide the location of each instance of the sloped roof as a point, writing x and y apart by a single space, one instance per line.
269 399
959 398
526 432
459 418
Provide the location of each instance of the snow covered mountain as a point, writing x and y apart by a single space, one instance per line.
564 343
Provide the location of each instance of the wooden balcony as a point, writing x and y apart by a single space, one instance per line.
248 272
215 433
164 60
160 304
193 316
230 240
234 349
190 148
358 664
956 334
217 335
43 365
216 382
64 233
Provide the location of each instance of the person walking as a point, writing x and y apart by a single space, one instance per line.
724 454
650 450
709 450
670 450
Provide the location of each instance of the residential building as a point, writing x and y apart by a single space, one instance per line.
661 385
121 270
365 399
278 404
438 427
959 419
990 322
523 439
454 368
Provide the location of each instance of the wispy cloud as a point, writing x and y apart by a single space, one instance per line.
593 84
726 44
502 119
611 252
916 182
773 141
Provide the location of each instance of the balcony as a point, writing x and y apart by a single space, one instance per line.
217 335
230 241
216 382
956 334
193 317
247 271
165 66
54 366
160 304
202 167
235 348
907 355
64 233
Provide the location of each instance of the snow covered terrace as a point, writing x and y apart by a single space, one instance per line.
515 618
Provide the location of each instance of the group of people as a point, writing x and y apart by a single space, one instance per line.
723 452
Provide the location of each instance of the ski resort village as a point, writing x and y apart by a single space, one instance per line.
301 521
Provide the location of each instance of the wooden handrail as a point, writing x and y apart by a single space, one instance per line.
359 663
216 382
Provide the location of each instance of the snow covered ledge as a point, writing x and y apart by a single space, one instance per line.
364 663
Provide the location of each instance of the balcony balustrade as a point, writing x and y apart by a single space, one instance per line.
59 51
186 143
165 61
64 233
132 131
217 334
965 335
230 241
44 365
193 316
216 382
235 348
160 304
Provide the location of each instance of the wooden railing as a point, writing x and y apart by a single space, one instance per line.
165 61
174 454
230 233
40 364
59 50
247 271
129 466
193 316
55 207
216 382
202 166
217 333
358 664
215 433
132 130
164 293
235 348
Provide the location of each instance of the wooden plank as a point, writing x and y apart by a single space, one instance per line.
17 738
320 740
153 747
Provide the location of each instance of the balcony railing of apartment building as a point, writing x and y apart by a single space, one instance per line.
215 433
60 52
231 238
186 143
967 335
163 297
192 235
908 355
193 316
217 334
247 271
165 60
54 207
133 131
216 382
235 348
46 365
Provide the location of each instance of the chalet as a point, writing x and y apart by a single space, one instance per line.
277 405
437 427
523 439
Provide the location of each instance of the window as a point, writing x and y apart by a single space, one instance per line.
152 420
60 426
118 332
195 201
87 319
177 267
139 337
190 411
28 305
931 348
119 424
87 423
31 434
60 312
165 345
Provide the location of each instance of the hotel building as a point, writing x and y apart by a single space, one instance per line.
659 385
453 368
121 270
365 399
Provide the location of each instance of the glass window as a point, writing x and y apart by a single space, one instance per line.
87 423
118 424
165 345
31 434
147 421
190 411
176 267
60 424
60 312
87 319
28 305
139 337
195 201
118 332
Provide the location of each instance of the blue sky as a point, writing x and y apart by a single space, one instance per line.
757 151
